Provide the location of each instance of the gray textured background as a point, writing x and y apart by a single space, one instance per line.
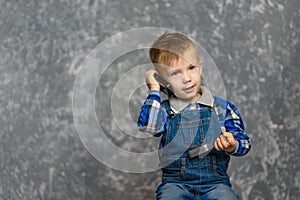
255 44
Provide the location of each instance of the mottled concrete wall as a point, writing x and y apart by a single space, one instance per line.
255 44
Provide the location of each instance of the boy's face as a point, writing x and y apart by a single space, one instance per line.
184 75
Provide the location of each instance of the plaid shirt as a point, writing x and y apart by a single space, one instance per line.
153 117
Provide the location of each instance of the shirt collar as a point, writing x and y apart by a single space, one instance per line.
205 99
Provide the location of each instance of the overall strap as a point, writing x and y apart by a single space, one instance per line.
216 108
167 106
203 150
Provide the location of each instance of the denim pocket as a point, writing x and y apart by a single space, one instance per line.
220 168
190 133
172 172
220 172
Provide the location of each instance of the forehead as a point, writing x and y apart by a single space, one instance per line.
188 58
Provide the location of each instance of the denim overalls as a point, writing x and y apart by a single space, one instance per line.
185 178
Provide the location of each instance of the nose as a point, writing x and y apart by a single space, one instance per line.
186 77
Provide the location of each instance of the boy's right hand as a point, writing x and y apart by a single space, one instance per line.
151 81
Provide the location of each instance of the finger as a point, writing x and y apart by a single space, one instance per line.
150 77
153 71
224 141
227 134
229 137
232 141
219 144
216 146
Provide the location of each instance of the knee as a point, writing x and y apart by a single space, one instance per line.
168 191
221 192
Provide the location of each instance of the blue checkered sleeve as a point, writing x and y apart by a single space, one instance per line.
230 118
153 117
235 125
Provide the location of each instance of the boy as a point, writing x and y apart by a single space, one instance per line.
186 121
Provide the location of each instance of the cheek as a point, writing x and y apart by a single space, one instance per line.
197 78
175 83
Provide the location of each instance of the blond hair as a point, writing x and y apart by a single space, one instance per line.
169 46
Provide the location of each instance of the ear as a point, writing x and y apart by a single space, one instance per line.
200 67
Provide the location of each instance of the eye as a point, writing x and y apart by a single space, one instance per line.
174 73
192 67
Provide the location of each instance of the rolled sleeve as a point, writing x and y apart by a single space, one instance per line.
235 125
153 117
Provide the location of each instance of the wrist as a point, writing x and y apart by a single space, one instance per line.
233 149
154 87
230 151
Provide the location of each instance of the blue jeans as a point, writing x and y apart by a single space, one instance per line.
193 178
182 191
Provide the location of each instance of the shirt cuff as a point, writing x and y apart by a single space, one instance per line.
237 147
154 95
155 92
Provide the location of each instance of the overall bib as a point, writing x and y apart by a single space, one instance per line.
197 176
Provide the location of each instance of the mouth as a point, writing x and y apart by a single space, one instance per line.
189 89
